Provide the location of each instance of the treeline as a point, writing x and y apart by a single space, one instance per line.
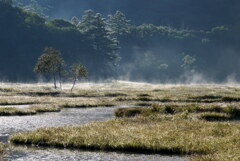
202 14
113 47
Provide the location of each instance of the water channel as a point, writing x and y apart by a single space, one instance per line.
13 124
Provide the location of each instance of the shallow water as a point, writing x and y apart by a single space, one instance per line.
12 124
24 153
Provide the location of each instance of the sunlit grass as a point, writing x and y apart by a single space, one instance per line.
200 111
199 139
32 110
84 102
117 93
197 121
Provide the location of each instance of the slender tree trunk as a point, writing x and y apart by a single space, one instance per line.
74 82
60 81
55 83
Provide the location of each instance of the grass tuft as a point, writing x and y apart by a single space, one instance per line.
129 112
214 112
196 120
140 134
32 110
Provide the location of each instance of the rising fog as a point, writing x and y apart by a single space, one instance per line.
163 39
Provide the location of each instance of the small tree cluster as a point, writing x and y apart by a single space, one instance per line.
78 72
188 61
51 63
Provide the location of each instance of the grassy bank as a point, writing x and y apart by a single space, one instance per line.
86 103
164 135
197 121
117 93
32 110
200 111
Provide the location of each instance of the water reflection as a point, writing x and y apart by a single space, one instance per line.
12 124
24 153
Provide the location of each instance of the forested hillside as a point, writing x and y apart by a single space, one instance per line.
24 36
150 40
202 14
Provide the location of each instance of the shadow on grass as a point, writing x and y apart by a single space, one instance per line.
87 105
219 117
41 94
213 98
174 151
32 110
213 113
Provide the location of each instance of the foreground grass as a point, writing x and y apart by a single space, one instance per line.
2 148
32 110
164 135
175 119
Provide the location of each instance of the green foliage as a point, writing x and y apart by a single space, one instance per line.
217 29
87 22
188 61
34 20
75 21
95 38
118 24
79 72
94 27
50 62
150 30
35 7
57 22
62 25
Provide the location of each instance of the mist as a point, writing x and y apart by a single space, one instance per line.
163 38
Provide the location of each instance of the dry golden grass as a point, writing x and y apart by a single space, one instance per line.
210 112
118 93
198 139
31 110
18 100
175 119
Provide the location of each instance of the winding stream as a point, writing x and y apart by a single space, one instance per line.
13 124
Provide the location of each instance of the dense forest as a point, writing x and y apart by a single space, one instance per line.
194 14
163 41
